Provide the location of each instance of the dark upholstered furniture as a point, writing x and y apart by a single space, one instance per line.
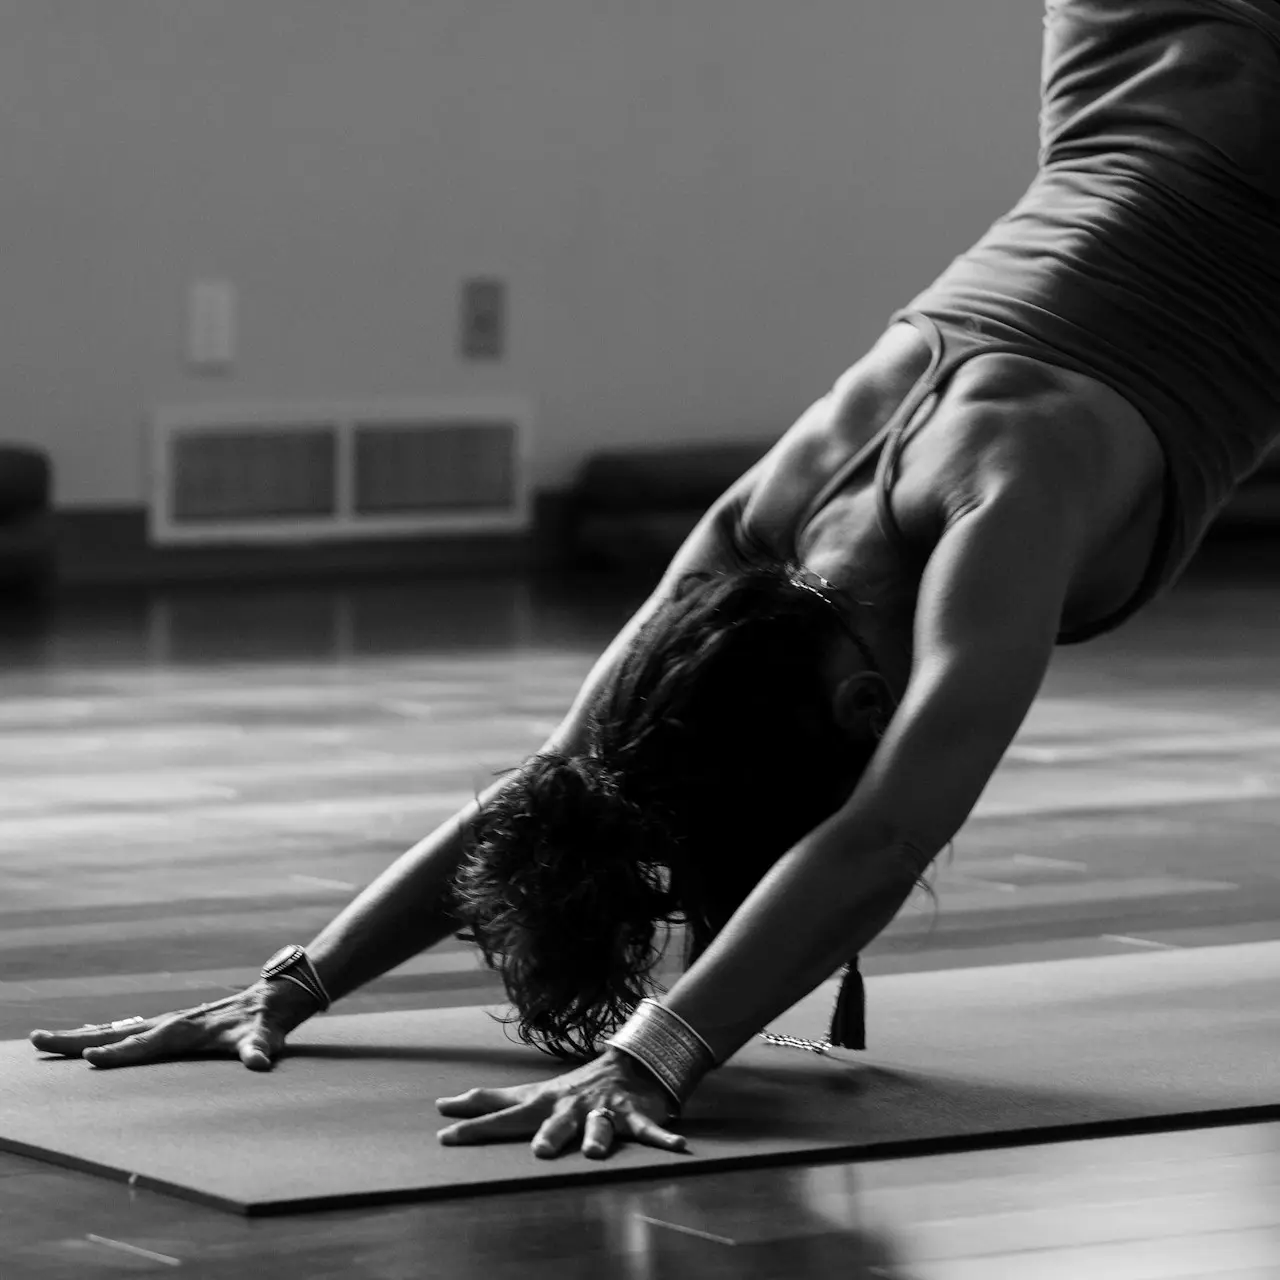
1256 505
27 560
632 508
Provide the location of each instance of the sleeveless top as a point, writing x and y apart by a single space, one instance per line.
1145 254
950 349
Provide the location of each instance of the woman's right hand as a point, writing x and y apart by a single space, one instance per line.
251 1025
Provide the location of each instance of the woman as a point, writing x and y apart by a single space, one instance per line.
807 708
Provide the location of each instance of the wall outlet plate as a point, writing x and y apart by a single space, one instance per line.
483 328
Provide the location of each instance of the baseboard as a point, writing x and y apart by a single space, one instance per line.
108 547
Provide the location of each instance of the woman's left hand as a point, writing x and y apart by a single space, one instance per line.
557 1112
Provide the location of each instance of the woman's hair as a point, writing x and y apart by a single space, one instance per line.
711 752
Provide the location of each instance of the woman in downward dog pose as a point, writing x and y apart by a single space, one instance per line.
805 711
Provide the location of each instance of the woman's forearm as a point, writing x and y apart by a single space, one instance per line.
409 907
406 910
817 908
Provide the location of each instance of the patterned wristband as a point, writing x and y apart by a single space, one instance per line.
671 1013
670 1048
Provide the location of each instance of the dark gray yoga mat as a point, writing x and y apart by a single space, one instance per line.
961 1058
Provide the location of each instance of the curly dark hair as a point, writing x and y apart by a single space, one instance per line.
712 751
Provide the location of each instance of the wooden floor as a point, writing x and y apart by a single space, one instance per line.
193 779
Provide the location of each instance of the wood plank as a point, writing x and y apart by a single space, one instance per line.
178 768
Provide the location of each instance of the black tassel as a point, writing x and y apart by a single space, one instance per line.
849 1021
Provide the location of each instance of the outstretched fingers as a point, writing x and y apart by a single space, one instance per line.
479 1102
600 1134
494 1115
249 1025
73 1043
642 1129
167 1039
136 1040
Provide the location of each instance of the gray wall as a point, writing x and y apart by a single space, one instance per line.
704 210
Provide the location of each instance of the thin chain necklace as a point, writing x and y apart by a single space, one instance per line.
799 1042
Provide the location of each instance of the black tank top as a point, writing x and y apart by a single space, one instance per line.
1146 251
950 347
1145 254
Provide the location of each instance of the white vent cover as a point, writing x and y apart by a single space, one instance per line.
253 473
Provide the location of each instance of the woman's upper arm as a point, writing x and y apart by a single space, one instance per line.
707 548
987 618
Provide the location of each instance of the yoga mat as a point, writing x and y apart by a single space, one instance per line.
960 1058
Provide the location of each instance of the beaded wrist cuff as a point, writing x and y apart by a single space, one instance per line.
665 1043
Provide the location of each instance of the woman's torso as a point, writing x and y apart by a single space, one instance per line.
1146 257
999 414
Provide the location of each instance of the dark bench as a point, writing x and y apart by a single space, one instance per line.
632 508
27 557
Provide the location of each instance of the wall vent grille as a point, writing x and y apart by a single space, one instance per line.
434 466
241 473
